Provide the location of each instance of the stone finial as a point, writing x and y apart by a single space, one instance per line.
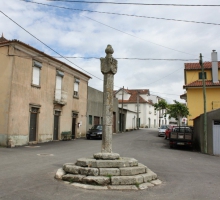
109 50
109 64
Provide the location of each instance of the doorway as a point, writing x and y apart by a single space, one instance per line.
74 122
56 124
33 125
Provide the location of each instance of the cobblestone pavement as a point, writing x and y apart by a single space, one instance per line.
28 172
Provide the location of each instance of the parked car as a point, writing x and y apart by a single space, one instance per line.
167 132
181 135
95 132
162 129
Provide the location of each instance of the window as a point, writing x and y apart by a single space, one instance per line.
200 75
90 119
59 79
36 73
76 88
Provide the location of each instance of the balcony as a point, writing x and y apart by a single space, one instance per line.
60 97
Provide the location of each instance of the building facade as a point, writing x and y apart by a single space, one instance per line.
95 108
135 100
194 87
41 97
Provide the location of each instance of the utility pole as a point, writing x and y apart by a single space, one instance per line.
204 100
137 109
122 109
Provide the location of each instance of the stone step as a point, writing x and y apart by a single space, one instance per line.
122 162
129 171
96 180
127 180
73 177
109 172
74 169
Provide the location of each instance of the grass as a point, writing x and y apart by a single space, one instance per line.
137 185
109 175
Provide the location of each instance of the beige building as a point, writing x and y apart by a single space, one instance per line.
40 96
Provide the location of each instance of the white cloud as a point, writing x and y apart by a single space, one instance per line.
71 33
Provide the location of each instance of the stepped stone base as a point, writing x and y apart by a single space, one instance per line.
115 174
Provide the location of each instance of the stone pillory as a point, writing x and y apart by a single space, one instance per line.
107 170
109 69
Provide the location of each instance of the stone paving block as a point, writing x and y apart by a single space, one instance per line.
71 168
127 180
90 187
109 171
73 177
84 162
142 165
59 174
144 186
89 171
97 180
156 182
123 187
129 171
147 177
154 176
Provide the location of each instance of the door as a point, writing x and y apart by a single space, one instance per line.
114 123
216 138
149 122
33 126
96 120
56 125
73 127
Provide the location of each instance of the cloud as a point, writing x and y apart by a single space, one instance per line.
73 33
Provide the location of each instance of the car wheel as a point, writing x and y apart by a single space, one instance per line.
88 137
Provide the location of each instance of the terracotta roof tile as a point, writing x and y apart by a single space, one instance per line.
208 83
195 66
133 97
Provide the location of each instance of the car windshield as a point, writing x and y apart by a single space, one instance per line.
163 127
99 127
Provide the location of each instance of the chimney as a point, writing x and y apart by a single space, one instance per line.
214 67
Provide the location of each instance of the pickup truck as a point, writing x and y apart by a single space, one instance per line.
181 135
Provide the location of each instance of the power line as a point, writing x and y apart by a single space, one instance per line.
136 4
80 57
138 16
134 35
48 46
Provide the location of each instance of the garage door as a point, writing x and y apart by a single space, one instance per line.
216 138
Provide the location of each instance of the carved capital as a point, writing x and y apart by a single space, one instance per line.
109 65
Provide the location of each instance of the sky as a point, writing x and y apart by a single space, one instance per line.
148 44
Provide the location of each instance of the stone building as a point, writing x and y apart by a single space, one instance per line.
95 109
40 96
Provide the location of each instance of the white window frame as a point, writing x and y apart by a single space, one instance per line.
76 87
36 73
59 83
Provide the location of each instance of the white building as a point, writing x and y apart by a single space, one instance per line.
148 117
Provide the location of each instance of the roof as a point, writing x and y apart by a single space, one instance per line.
196 66
133 97
199 83
4 41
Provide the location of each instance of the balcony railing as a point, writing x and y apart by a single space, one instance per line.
60 97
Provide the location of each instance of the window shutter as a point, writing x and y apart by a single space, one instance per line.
36 76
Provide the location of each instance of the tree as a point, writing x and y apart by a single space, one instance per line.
176 110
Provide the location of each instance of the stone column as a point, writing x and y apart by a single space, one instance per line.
109 69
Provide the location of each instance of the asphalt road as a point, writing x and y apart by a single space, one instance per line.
28 172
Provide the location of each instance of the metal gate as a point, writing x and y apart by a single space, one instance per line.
216 138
